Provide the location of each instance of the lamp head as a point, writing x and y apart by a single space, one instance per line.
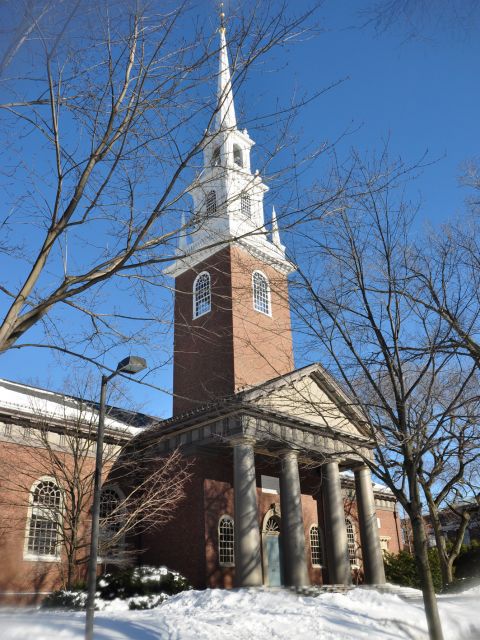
132 364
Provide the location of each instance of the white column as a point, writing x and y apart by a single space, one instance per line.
371 550
337 549
248 562
292 528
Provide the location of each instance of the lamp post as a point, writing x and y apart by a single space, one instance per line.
130 365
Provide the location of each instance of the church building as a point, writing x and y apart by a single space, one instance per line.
269 443
279 492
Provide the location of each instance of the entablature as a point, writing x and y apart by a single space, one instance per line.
272 435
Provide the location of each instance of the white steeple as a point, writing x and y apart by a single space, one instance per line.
225 116
227 196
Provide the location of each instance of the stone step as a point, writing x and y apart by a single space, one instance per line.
314 591
395 589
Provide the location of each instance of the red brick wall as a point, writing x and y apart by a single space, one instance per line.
390 526
262 344
21 466
189 543
233 345
203 348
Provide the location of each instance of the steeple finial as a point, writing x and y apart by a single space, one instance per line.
225 116
221 15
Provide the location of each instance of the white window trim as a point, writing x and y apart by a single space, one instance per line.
321 544
239 148
194 290
356 564
246 202
387 540
36 557
269 294
225 516
211 202
216 155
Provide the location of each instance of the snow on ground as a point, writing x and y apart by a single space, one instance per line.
248 614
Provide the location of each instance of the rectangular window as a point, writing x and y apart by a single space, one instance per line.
42 536
7 429
270 485
384 540
246 206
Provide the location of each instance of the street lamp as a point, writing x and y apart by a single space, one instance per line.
130 365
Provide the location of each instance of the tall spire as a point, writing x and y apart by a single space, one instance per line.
225 116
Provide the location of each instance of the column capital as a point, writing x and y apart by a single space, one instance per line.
336 461
242 439
361 467
290 452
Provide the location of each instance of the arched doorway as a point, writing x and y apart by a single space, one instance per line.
272 549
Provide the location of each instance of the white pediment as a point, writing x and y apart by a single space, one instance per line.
312 396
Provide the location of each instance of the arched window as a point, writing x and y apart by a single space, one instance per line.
226 555
111 521
246 205
316 547
272 526
202 294
261 293
211 202
237 155
44 519
352 551
216 157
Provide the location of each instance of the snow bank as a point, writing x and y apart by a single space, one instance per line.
248 614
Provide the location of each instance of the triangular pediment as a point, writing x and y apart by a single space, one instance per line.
312 396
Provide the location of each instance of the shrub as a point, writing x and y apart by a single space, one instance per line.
69 600
467 565
141 581
143 587
147 602
401 569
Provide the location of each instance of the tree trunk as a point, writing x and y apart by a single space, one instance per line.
421 557
443 556
446 558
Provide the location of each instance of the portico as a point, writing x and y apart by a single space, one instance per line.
295 440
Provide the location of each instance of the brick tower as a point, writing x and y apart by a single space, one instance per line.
232 316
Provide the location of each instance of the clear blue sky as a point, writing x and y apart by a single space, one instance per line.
422 94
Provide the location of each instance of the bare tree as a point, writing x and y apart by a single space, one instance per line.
445 280
452 457
423 19
104 119
385 350
139 492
